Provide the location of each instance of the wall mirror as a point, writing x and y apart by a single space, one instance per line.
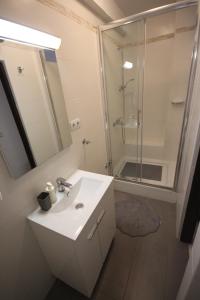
33 118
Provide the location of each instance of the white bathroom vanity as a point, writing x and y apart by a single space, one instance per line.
76 233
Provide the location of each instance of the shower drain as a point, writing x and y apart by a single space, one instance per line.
79 205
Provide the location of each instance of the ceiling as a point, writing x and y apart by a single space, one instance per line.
130 7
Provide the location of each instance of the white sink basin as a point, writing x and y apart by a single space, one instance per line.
69 214
79 196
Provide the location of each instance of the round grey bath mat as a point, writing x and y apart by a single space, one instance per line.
134 216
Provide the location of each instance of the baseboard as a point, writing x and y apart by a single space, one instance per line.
145 191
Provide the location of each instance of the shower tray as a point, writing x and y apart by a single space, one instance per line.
149 171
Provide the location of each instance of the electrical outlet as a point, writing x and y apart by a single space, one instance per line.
75 124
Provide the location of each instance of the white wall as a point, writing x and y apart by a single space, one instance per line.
24 273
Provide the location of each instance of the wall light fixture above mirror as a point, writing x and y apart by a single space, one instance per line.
25 35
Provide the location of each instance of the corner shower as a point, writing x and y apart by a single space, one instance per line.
147 65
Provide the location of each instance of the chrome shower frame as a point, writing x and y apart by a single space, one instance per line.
131 19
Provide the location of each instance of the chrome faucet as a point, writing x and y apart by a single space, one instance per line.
62 184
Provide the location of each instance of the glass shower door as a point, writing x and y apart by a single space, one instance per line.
147 104
123 56
167 70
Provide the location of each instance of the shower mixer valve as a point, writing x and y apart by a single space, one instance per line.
118 121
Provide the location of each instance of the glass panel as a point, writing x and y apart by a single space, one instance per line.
169 45
123 50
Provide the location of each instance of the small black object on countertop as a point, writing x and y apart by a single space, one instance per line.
44 201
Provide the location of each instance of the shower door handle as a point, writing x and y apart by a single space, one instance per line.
138 118
85 142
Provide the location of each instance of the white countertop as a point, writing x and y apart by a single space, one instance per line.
63 217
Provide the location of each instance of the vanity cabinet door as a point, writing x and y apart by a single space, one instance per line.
106 223
89 254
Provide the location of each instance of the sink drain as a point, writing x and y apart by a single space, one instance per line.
79 205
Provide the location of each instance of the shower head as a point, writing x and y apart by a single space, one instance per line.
123 87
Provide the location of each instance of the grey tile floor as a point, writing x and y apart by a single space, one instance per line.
143 268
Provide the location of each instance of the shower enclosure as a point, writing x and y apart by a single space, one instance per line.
148 61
